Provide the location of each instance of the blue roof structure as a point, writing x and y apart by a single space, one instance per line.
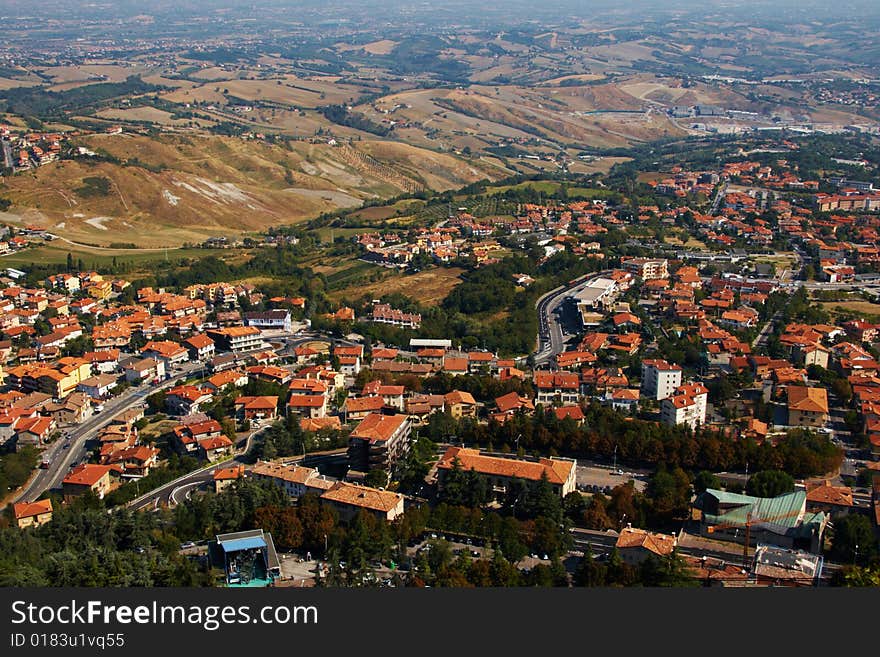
239 544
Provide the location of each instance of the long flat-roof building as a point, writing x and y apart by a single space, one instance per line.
237 338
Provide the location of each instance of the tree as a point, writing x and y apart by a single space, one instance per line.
770 483
704 480
669 492
589 572
376 478
853 540
668 570
596 514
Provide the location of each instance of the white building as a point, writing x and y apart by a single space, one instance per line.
659 378
686 406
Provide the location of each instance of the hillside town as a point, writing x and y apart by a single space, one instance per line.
109 384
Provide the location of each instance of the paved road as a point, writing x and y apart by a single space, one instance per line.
718 198
762 337
61 458
8 160
174 492
551 337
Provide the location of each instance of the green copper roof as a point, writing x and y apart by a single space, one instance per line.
777 514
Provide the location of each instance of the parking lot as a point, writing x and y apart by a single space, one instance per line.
592 479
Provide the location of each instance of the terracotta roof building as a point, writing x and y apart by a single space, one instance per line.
379 441
561 473
32 514
636 545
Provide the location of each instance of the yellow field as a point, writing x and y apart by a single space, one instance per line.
381 47
6 83
151 114
427 287
861 307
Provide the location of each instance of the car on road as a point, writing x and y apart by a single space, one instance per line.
187 545
44 465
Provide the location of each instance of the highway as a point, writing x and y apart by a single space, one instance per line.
65 452
551 337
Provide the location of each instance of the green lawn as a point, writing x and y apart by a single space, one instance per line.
56 253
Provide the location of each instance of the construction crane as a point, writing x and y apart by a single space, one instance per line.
748 526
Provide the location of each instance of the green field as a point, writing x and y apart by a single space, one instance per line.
56 254
551 187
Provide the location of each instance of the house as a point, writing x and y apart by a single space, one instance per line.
636 545
226 378
391 395
460 404
383 313
349 499
257 408
304 354
308 406
510 403
574 413
562 387
349 365
807 407
171 353
379 355
146 369
421 406
456 366
186 399
135 460
214 448
73 409
98 387
85 478
647 268
357 408
625 400
32 514
10 418
832 500
270 373
200 347
320 424
224 477
34 431
379 441
561 474
189 434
